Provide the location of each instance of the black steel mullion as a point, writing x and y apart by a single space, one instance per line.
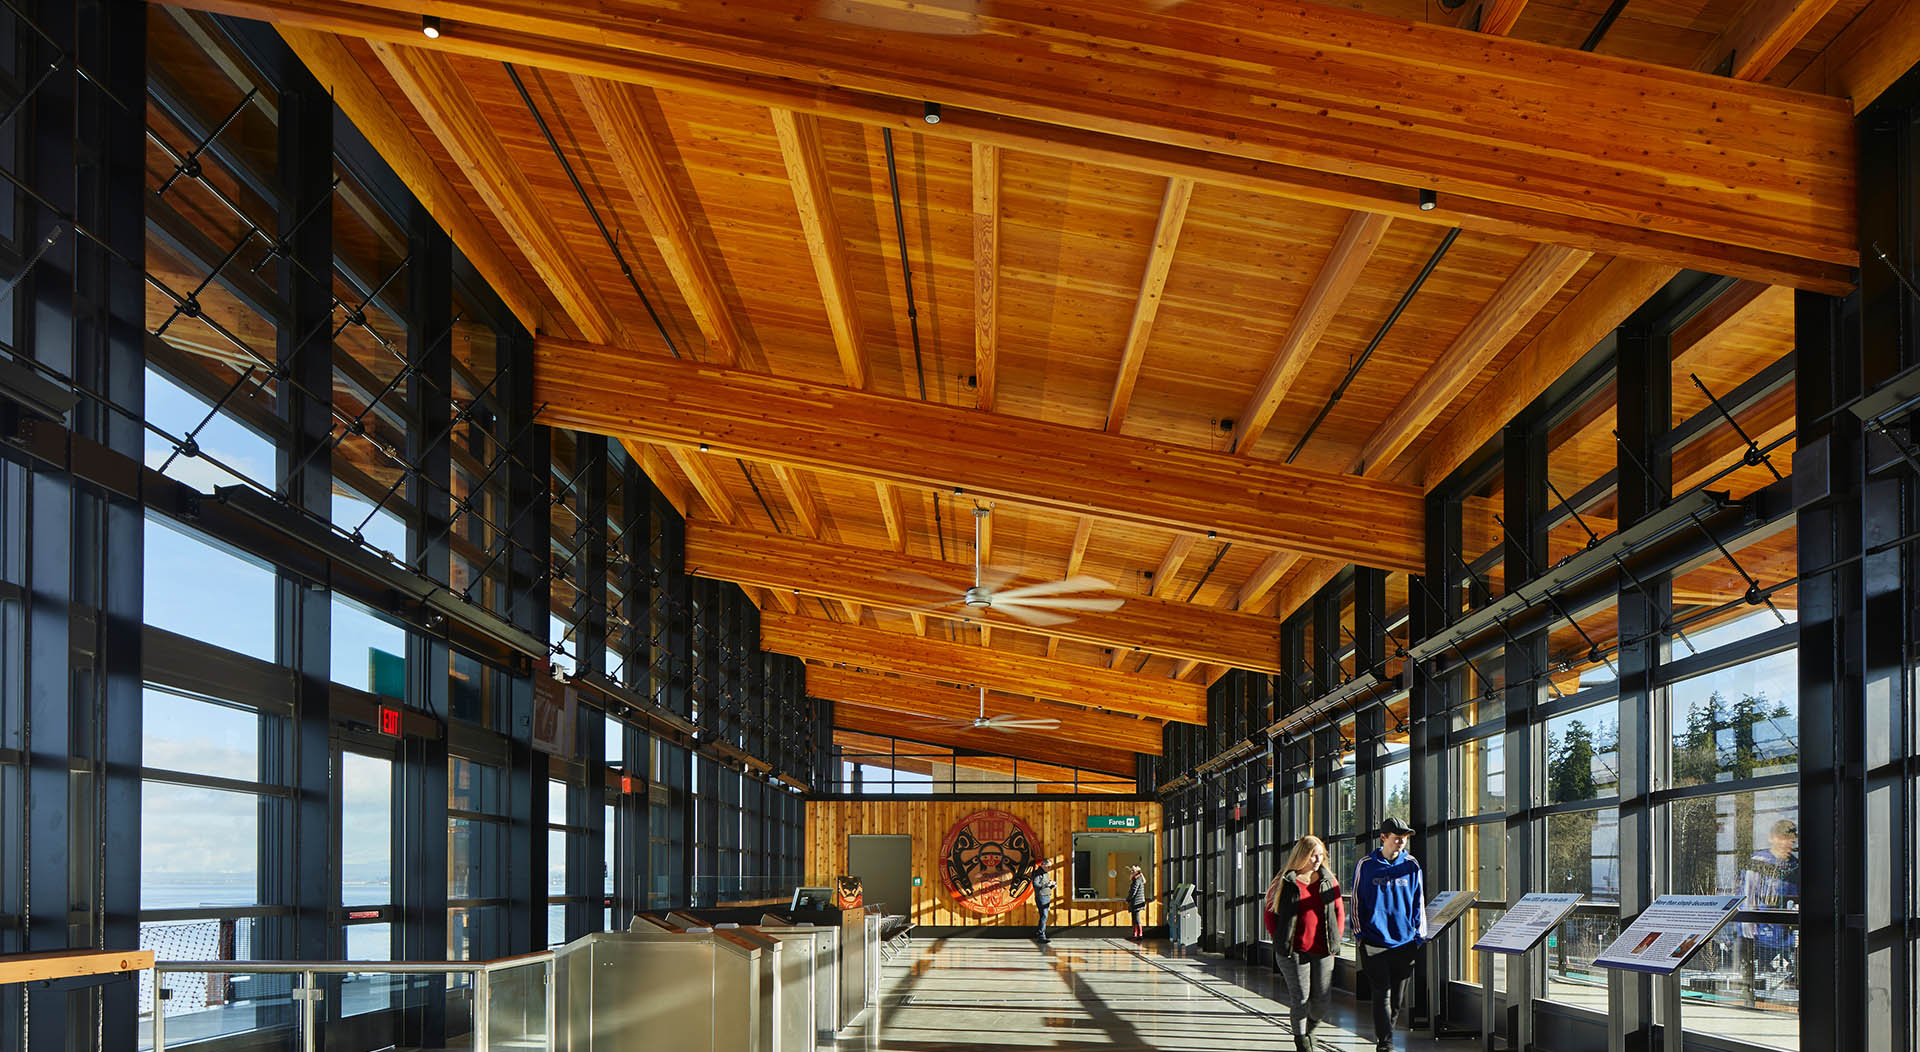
1644 417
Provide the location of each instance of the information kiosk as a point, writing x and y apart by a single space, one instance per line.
1524 926
1664 937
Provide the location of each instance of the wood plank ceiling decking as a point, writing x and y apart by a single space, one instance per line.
1146 245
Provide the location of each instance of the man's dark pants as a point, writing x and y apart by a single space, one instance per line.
1045 908
1387 972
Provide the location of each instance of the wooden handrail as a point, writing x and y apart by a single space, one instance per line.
64 964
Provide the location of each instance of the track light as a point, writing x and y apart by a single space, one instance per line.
1428 199
703 447
430 25
932 113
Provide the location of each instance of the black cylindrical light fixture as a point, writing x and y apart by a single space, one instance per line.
430 25
1428 199
932 113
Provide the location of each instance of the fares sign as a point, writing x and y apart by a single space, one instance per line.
987 862
1113 821
1527 922
1671 930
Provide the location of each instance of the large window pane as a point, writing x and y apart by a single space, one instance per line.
1741 722
1739 843
1583 755
180 733
207 593
368 653
1479 772
1740 985
239 451
198 847
1583 854
476 858
1571 948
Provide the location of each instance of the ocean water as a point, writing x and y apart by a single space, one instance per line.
364 942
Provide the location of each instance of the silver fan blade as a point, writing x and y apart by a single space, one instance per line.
994 578
1015 723
1072 602
922 581
1080 583
1020 613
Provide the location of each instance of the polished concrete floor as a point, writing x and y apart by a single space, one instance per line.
1106 994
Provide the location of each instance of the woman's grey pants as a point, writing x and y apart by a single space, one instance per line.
1304 984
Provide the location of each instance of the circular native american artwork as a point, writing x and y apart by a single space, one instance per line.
988 861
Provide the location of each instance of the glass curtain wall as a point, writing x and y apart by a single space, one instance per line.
1518 756
306 757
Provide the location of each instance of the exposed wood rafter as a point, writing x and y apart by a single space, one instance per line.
1542 274
1166 238
799 136
694 465
430 83
1338 275
370 111
986 271
618 114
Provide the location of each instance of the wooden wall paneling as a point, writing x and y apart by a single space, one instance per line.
1052 820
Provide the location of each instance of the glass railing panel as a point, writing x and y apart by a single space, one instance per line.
203 1006
517 1006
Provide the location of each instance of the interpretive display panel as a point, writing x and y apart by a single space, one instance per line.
1527 922
1446 907
1668 932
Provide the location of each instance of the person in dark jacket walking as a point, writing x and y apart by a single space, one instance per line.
1137 902
1305 914
1043 898
1390 916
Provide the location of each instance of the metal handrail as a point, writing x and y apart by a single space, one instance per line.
354 967
308 993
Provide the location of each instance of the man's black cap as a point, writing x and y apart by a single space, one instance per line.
1396 827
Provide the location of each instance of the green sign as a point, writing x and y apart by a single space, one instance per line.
916 882
1113 821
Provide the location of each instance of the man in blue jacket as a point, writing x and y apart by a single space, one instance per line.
1390 916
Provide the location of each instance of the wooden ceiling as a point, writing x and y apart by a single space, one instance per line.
1146 244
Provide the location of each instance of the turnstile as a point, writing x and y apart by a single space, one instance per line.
653 987
826 968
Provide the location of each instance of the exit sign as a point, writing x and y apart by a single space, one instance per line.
390 721
1113 821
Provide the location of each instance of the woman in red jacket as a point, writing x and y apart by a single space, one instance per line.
1305 915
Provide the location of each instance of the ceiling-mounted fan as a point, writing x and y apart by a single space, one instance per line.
1035 604
1002 722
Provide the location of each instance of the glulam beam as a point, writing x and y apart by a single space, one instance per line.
908 696
988 456
1316 102
909 655
872 578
